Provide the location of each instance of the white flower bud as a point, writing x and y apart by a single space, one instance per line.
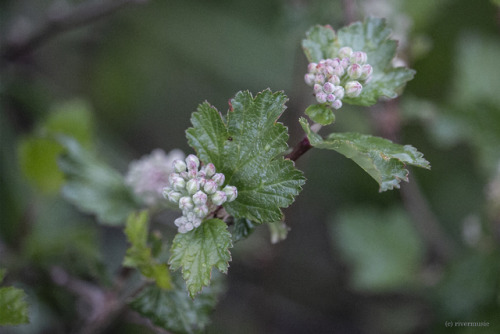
192 186
353 89
180 221
197 222
209 170
317 88
179 166
320 78
210 187
231 193
311 68
201 211
184 175
328 87
329 70
339 92
330 98
337 104
219 179
367 71
359 57
193 173
219 197
354 71
335 80
345 52
182 229
186 203
339 71
309 78
189 226
344 63
192 162
174 196
200 198
177 183
321 97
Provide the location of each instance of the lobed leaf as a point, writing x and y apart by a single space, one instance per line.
198 251
382 159
93 186
320 113
173 310
13 305
139 254
247 146
372 37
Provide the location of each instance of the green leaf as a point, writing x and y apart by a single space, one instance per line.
382 248
379 157
93 186
139 254
247 146
242 229
320 113
174 310
372 37
38 153
13 305
198 251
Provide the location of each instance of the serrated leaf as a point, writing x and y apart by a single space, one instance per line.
174 310
13 305
198 251
242 229
93 186
320 113
247 146
382 248
382 159
139 254
372 37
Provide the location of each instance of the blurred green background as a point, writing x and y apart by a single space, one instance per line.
355 260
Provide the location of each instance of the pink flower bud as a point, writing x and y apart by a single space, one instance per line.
330 97
337 104
345 63
179 166
321 97
335 80
192 186
209 170
320 78
219 197
200 198
177 183
210 187
201 211
353 89
339 92
219 179
367 72
345 52
309 79
317 88
354 71
311 68
339 71
192 162
186 203
231 193
328 87
359 57
174 196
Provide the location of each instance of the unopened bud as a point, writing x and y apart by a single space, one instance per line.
185 203
359 57
345 52
309 79
219 197
344 63
210 187
321 97
317 88
209 170
330 97
319 78
192 162
339 71
200 198
174 196
353 89
335 80
181 221
339 92
179 166
177 183
231 193
367 72
328 87
201 211
192 186
354 71
189 226
312 67
197 222
219 179
337 104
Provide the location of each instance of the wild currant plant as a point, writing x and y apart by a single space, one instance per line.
242 173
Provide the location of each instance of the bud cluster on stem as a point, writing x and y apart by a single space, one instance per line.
333 79
197 191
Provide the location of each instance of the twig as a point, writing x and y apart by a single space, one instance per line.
302 147
60 22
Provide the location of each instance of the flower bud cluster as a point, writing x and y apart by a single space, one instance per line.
333 79
148 176
197 191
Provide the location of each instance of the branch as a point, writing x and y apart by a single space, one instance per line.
61 22
302 147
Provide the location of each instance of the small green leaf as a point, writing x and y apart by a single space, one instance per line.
198 251
372 37
174 311
139 254
379 157
93 186
247 147
13 305
242 229
382 248
320 113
